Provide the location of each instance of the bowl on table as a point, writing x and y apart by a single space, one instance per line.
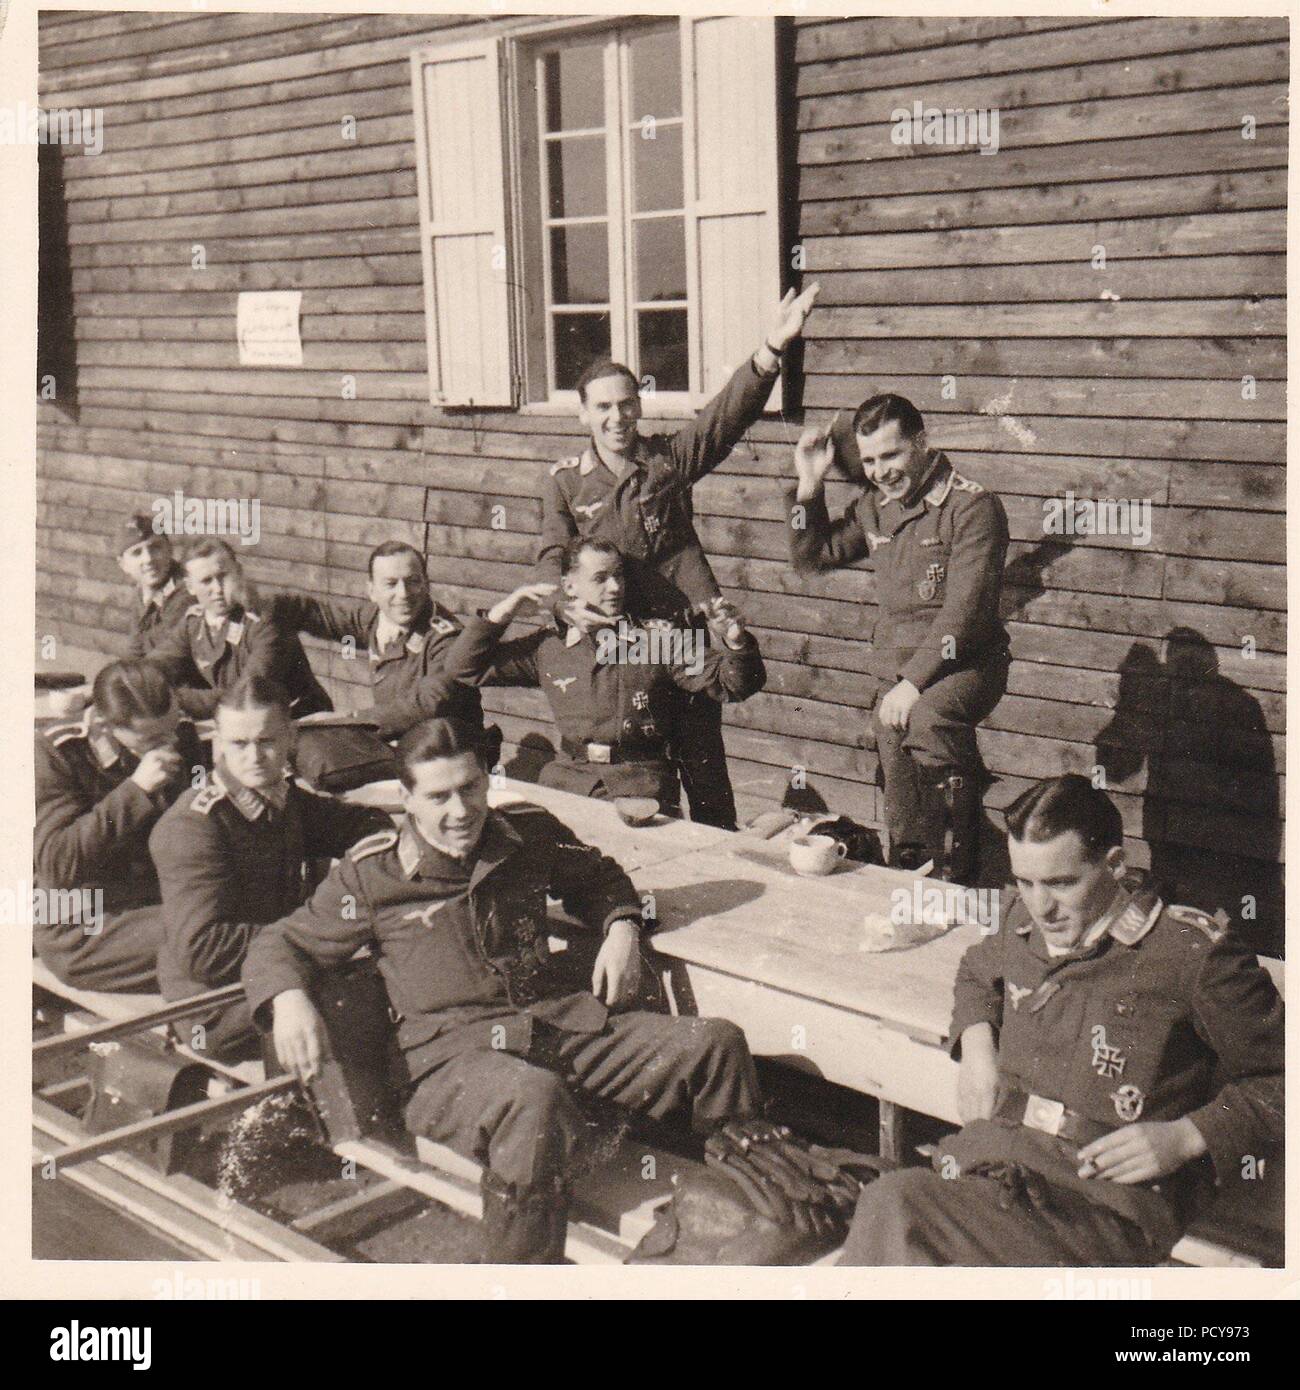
636 810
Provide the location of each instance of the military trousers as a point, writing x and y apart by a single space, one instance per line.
939 739
701 758
121 957
519 1116
918 1217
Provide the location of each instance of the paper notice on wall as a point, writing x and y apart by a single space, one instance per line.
266 325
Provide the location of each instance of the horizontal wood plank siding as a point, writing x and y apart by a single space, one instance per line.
1164 663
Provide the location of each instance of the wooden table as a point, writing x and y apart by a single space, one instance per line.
743 937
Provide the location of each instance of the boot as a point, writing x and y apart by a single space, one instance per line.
957 828
523 1225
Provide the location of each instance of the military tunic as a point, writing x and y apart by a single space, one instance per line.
230 860
489 1021
1166 1015
938 564
202 661
91 834
406 668
611 694
160 613
648 514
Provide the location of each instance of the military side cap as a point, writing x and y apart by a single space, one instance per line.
133 529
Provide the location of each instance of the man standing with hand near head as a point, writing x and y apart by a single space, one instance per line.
937 542
1118 1056
634 491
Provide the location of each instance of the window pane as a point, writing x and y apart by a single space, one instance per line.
660 258
657 167
574 82
661 339
656 73
580 264
579 339
576 176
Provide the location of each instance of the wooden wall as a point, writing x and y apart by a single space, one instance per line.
1165 663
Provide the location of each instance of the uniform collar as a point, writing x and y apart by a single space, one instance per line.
249 803
230 628
415 854
936 486
591 460
1128 919
107 750
413 637
574 635
160 595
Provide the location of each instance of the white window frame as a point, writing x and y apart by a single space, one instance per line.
619 215
721 209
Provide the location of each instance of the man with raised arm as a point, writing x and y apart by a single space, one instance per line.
634 491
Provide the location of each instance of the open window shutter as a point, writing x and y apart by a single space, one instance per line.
733 230
461 173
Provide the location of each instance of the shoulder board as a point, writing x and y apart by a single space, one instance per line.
372 844
442 626
563 464
195 610
965 484
59 734
660 624
1194 917
523 808
1137 918
252 617
205 800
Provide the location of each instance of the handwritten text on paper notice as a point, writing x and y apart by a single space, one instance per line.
266 324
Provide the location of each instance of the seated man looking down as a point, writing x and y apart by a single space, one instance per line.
494 1036
222 640
236 853
1117 1056
613 683
405 634
101 784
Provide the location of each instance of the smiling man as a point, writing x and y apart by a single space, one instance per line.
635 491
1118 1057
937 542
404 633
222 639
495 1036
613 684
145 557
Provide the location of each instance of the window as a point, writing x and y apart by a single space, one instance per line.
612 198
597 191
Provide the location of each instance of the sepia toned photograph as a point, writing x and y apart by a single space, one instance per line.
660 640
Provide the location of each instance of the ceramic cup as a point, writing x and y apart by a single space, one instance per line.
815 855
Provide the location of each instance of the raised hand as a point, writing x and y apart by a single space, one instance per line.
813 456
788 322
527 595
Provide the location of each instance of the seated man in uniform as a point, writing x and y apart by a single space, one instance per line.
101 784
145 557
495 1037
611 683
937 542
635 491
405 633
1117 1054
222 640
236 853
